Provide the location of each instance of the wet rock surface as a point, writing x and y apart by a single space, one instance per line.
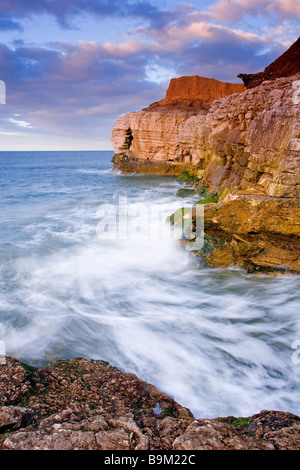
83 404
258 233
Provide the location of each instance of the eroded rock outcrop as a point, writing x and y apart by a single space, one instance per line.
255 232
248 149
88 405
244 147
248 139
147 141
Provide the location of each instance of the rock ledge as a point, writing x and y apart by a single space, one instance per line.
84 404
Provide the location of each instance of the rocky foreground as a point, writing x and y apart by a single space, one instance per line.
243 147
83 404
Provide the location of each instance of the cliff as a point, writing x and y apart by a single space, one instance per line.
147 141
245 149
200 88
250 139
89 405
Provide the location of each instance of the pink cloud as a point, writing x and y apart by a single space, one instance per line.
179 36
124 49
233 10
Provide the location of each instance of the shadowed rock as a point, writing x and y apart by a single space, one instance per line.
286 65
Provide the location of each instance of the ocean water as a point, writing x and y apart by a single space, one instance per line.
219 341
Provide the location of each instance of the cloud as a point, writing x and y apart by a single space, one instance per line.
21 123
159 73
69 86
74 89
69 89
76 86
125 49
193 30
64 11
234 10
8 24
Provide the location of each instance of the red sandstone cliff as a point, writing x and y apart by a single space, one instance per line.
200 88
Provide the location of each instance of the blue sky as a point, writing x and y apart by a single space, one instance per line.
71 67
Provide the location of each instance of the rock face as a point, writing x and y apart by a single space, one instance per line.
254 232
244 147
248 139
251 139
286 65
248 150
154 148
147 141
89 405
200 88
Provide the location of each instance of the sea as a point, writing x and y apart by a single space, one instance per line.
81 277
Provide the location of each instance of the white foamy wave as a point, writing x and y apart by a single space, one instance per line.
143 307
218 341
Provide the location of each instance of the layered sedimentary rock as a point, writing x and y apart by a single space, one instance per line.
89 405
253 231
147 141
244 147
249 139
154 147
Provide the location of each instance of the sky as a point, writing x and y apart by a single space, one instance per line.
71 67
